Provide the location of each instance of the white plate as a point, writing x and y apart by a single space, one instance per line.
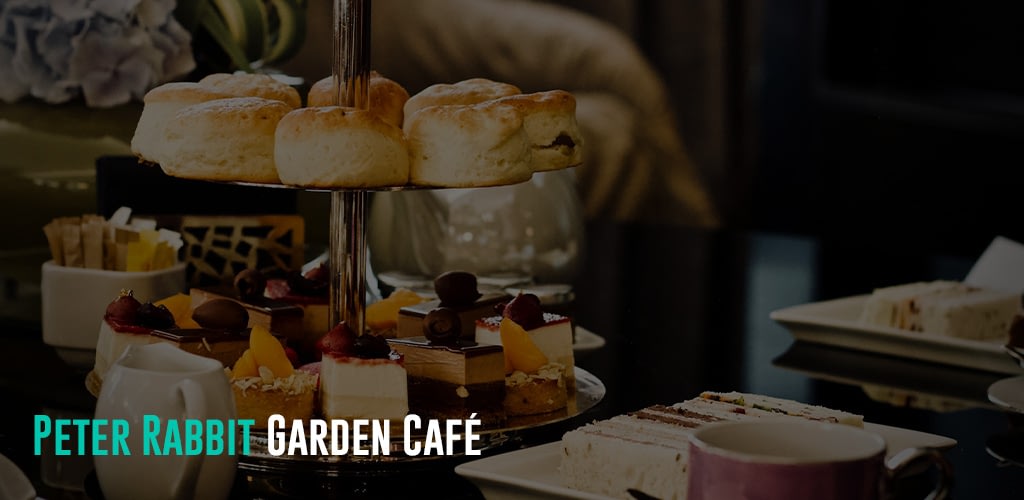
586 340
835 322
533 472
1008 393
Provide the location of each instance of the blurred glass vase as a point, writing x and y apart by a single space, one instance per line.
531 231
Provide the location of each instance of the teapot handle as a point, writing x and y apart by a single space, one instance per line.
195 408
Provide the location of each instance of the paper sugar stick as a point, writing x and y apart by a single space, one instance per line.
72 244
54 238
92 243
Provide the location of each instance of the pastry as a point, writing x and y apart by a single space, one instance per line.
456 290
551 333
648 450
309 292
126 323
467 146
466 92
386 97
253 85
224 139
334 146
221 331
533 383
160 105
549 119
361 377
450 377
276 316
946 308
265 383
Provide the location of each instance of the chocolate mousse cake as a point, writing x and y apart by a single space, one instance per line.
282 318
457 291
222 333
450 377
361 377
653 443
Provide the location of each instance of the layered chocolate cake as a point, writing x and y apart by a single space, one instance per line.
454 380
457 291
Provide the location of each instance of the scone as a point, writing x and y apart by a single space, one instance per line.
226 139
467 146
160 105
387 97
466 92
332 146
549 119
253 85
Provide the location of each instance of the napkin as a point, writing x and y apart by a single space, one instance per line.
1000 267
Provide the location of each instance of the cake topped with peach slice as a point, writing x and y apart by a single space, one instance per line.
266 383
533 383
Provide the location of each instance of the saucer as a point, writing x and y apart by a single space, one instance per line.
1008 393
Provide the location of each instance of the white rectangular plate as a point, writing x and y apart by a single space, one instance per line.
533 472
835 322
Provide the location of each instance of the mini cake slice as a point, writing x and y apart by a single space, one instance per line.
308 292
220 330
124 326
457 291
946 308
450 377
532 384
360 377
265 383
551 333
648 450
273 315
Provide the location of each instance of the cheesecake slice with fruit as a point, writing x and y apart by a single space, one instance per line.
361 377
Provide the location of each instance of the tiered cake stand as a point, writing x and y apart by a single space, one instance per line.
351 71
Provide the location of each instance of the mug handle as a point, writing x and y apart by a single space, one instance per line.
195 408
909 457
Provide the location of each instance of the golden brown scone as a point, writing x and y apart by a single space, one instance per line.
472 91
332 146
160 105
550 122
225 139
387 97
253 85
467 146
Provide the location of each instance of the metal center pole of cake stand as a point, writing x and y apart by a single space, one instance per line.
351 76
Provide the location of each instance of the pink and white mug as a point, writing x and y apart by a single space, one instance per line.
794 459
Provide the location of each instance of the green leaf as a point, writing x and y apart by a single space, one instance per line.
215 26
290 32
